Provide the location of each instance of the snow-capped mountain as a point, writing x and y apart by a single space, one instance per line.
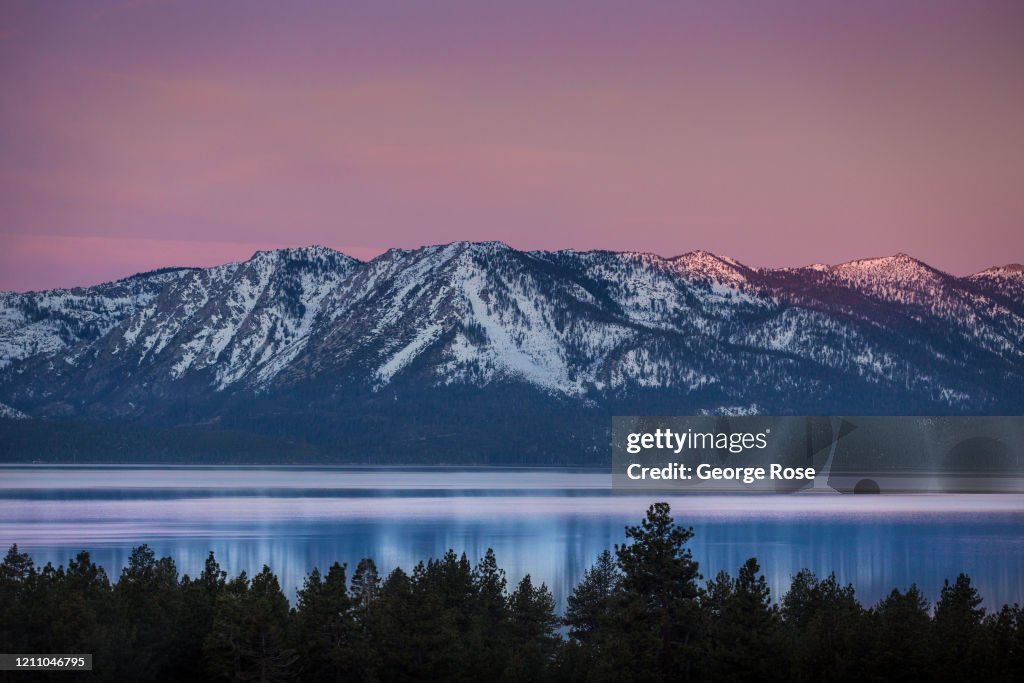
44 323
241 322
1003 284
480 346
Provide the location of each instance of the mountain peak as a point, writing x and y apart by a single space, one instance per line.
704 264
470 245
1009 270
899 266
898 279
899 258
313 252
450 249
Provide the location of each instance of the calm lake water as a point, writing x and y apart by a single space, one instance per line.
549 523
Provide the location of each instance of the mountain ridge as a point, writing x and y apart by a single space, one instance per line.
1007 268
307 343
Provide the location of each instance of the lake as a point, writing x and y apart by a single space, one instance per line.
546 522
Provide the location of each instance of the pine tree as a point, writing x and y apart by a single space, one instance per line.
15 572
147 609
1003 639
249 637
660 615
79 623
488 649
592 600
958 633
902 629
389 657
326 627
533 631
822 620
743 639
365 587
198 604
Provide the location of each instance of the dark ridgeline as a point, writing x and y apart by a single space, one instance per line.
642 613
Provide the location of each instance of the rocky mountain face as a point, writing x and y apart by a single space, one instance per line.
42 324
479 352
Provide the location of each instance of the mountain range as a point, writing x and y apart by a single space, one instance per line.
480 353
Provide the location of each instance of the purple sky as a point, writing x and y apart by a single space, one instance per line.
148 133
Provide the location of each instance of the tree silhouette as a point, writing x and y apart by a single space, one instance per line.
533 631
659 583
744 641
146 604
822 618
638 617
327 624
249 637
593 599
959 633
901 647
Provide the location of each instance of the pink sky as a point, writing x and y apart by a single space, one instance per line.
141 134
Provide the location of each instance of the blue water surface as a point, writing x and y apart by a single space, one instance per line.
549 523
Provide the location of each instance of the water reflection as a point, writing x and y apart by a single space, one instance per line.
552 524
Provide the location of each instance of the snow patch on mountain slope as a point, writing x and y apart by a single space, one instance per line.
734 411
44 323
408 353
296 333
9 413
643 367
237 320
525 348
